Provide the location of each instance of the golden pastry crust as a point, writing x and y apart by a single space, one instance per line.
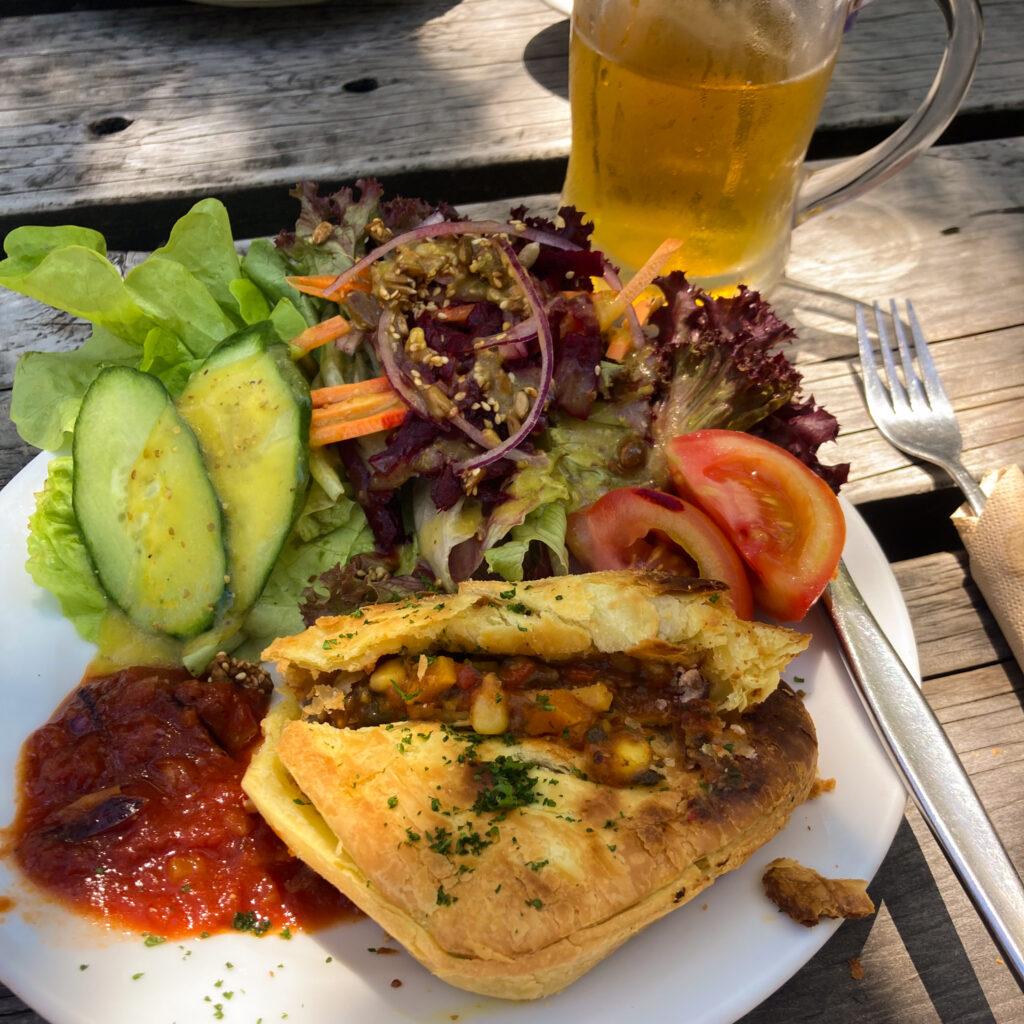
522 911
647 615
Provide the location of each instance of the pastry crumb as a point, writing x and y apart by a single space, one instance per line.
807 897
820 786
856 969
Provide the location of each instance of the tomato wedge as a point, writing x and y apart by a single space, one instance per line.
783 519
613 533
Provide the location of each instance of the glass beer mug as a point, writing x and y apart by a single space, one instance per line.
691 118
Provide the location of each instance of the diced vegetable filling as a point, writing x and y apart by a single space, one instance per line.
619 711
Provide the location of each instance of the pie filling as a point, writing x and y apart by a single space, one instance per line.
631 718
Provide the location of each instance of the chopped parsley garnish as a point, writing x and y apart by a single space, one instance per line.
471 843
714 598
543 701
507 595
152 940
507 783
435 804
286 933
440 840
559 597
445 899
519 608
302 802
135 977
392 802
798 679
249 921
536 865
413 837
535 903
407 697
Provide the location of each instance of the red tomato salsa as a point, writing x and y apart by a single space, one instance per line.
131 809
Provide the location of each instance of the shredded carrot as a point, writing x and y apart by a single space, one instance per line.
620 344
633 294
319 286
331 433
646 303
335 393
356 408
322 334
641 279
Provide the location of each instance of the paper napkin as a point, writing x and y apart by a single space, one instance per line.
995 544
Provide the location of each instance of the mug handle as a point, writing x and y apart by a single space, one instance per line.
847 179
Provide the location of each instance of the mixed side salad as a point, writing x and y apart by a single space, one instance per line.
390 399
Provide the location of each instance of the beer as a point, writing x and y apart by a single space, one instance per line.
690 120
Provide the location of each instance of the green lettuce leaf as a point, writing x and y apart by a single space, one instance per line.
67 268
48 386
538 484
583 453
201 242
437 533
179 302
277 613
545 525
57 557
252 304
267 268
164 356
287 320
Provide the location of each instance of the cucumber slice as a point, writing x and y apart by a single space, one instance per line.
250 409
148 513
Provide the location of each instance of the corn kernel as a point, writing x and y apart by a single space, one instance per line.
488 713
630 755
390 672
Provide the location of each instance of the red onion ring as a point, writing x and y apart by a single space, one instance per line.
408 393
547 366
389 362
482 227
523 331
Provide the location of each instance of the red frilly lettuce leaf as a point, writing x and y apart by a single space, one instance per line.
364 579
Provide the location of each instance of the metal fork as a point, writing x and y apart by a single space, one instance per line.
915 416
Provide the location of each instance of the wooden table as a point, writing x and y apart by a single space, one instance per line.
119 114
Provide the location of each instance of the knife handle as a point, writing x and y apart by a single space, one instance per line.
930 769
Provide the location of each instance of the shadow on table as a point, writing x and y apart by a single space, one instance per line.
905 888
546 58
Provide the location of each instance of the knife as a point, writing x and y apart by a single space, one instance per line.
930 769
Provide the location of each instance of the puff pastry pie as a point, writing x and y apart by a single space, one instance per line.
515 783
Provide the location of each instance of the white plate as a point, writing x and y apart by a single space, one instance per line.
718 957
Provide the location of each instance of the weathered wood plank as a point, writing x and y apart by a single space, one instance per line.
221 99
954 629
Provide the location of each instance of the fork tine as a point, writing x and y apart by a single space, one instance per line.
899 396
932 381
876 395
917 400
